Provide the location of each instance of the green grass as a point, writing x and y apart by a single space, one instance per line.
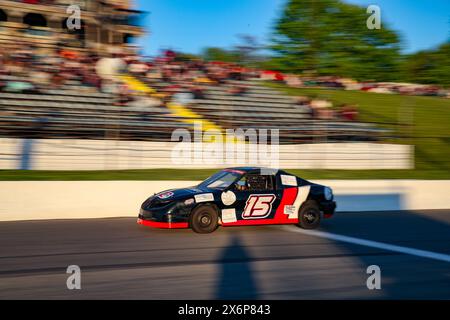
194 174
420 121
149 174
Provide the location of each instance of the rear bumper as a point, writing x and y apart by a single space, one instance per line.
163 225
328 208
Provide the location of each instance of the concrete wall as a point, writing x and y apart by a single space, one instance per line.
23 200
73 154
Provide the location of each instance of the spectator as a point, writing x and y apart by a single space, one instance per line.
183 98
293 81
123 96
238 90
198 92
304 104
348 112
321 109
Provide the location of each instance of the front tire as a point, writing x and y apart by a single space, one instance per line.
309 216
204 219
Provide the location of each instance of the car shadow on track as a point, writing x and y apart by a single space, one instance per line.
236 279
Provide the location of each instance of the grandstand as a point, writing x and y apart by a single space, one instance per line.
73 112
264 108
80 107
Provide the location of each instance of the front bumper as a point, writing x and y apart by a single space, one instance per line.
159 218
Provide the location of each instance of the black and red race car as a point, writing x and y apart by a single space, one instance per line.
243 196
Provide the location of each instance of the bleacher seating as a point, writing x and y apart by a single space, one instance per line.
75 112
263 108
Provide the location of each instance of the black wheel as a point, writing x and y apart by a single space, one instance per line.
309 215
204 219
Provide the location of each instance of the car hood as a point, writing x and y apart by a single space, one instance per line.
181 193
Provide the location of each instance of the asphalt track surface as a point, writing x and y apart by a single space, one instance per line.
122 260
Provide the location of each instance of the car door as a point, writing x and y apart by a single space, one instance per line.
259 199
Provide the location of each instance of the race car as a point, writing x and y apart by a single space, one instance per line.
243 196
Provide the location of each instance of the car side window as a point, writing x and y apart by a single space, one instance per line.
256 182
241 184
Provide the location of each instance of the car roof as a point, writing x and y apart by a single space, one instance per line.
252 169
244 168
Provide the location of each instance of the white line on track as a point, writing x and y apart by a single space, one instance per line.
375 244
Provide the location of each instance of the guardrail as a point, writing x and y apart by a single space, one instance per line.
26 200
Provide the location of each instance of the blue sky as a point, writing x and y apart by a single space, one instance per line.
190 25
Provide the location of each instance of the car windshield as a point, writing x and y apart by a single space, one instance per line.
221 180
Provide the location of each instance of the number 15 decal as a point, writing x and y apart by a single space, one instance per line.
258 206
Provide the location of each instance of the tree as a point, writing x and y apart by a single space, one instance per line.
429 67
244 53
248 49
329 37
218 54
183 56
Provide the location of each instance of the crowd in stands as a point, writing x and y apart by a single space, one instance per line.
324 110
215 90
180 80
350 84
186 81
183 81
36 70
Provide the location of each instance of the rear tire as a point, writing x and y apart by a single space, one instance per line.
309 216
204 219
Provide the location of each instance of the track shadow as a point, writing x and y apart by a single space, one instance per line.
403 276
236 278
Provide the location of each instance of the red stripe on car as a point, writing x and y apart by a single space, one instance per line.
163 225
288 199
